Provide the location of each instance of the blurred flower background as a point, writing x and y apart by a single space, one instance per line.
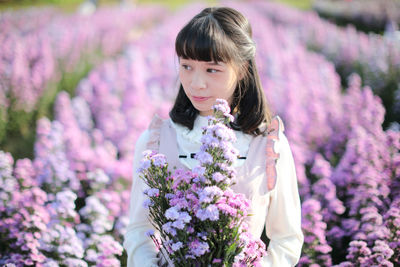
80 80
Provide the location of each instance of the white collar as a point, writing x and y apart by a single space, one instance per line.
195 134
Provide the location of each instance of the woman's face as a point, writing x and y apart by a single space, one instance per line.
204 82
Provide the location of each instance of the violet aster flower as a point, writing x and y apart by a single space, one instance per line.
149 233
204 157
392 222
153 192
222 110
169 229
358 252
184 216
209 141
180 201
179 224
210 212
198 248
218 177
159 160
144 165
208 194
314 233
181 176
199 170
148 203
176 246
172 213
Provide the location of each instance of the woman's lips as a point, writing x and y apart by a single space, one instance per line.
200 98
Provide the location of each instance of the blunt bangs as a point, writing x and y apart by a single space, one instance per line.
204 40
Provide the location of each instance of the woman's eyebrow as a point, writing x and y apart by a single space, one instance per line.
213 63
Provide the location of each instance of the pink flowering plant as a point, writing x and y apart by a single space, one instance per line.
200 219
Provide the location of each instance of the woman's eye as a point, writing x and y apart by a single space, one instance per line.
212 70
186 67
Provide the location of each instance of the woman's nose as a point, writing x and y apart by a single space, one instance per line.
198 81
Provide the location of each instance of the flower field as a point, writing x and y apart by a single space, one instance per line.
68 204
365 15
52 53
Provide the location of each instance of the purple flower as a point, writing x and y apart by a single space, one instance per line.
184 216
198 248
221 105
179 201
382 248
208 194
172 213
148 153
167 227
159 160
209 141
210 212
169 196
144 165
199 171
182 177
224 133
75 262
176 246
324 249
226 209
222 110
204 158
178 224
148 203
153 192
357 249
149 232
218 177
227 168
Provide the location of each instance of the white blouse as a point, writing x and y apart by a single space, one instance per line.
283 220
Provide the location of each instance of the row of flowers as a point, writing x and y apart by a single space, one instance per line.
78 183
370 15
374 57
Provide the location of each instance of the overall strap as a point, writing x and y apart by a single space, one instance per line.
162 139
273 129
154 128
169 145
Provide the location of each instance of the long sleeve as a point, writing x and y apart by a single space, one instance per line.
283 220
140 248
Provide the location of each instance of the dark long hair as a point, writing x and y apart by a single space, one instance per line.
223 34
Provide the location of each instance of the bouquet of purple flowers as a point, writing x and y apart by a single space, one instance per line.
200 220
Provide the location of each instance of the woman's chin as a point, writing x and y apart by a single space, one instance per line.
204 111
